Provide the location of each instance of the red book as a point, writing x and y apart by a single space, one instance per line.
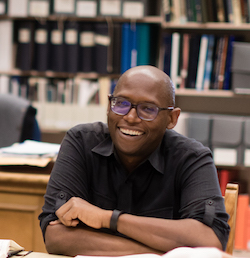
224 179
241 222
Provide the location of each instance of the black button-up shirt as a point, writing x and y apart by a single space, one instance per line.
178 180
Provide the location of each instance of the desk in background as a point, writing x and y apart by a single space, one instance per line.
21 201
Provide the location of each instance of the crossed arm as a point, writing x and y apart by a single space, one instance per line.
145 234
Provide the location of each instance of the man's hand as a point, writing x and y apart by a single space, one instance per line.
77 209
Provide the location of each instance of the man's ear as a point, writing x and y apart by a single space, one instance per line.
174 114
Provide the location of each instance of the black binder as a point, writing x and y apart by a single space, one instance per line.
25 44
102 41
41 46
116 47
56 46
86 47
71 42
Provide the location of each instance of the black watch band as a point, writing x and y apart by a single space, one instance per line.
114 219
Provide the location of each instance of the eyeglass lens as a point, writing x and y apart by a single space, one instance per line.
145 111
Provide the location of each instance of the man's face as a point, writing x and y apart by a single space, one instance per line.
131 135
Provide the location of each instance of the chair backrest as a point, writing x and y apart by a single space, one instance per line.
231 197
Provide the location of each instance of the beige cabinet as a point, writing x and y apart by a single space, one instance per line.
21 201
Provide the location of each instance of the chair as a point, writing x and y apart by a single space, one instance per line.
17 120
231 197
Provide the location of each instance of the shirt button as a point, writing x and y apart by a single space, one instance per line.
210 202
61 195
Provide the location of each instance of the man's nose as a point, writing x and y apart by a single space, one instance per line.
132 116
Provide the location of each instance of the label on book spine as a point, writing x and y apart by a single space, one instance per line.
87 39
41 36
247 158
24 35
102 40
56 37
71 37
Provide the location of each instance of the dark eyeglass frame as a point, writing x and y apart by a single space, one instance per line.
111 97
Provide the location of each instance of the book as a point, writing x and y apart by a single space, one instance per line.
71 46
201 62
167 41
86 47
241 221
209 62
3 7
86 8
39 8
125 47
57 48
18 8
102 47
9 247
25 44
143 44
110 7
6 53
174 61
185 57
64 7
194 46
133 9
41 46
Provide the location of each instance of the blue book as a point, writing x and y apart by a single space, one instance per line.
143 44
167 50
126 48
226 84
209 62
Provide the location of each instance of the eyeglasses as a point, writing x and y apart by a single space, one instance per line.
145 111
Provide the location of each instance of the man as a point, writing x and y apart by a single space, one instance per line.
135 186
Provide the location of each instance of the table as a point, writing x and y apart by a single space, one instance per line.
21 201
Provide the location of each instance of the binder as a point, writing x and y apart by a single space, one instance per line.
56 46
246 142
143 44
227 139
39 8
167 40
25 44
41 46
199 128
86 47
18 8
71 42
110 7
6 41
3 7
194 46
86 8
134 8
116 46
63 7
102 43
126 47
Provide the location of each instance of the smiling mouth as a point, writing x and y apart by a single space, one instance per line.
130 132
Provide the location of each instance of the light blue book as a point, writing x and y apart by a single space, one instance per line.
209 62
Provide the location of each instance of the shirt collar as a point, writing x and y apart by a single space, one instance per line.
106 149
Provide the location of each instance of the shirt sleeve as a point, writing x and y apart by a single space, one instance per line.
68 178
201 197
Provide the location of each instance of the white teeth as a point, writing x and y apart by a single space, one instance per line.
130 132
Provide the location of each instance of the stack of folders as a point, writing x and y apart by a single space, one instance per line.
227 136
79 8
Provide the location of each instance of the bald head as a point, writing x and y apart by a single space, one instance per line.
155 75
